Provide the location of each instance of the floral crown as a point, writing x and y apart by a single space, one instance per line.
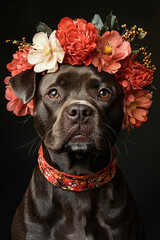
77 42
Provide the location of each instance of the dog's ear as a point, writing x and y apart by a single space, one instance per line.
24 85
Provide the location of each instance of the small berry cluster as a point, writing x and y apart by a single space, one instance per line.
20 43
130 34
147 59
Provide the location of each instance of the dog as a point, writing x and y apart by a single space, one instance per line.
78 114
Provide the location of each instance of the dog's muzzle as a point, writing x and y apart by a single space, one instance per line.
75 128
78 126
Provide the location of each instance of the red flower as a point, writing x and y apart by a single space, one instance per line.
136 105
134 75
20 62
79 40
15 104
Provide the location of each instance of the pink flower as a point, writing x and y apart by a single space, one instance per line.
15 104
110 50
136 105
79 40
133 75
20 62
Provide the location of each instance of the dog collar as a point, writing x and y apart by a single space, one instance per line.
73 182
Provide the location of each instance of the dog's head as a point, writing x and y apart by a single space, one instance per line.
76 108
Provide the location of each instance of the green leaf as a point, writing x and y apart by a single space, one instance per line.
135 51
97 22
110 24
154 87
141 35
42 27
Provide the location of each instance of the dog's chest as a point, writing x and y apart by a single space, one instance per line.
73 223
80 220
72 229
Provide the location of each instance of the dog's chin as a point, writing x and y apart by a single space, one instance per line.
79 143
75 143
79 147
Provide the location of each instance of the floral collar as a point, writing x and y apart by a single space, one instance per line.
104 45
73 182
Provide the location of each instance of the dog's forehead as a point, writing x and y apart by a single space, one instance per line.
74 77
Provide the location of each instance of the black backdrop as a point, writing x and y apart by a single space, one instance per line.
139 150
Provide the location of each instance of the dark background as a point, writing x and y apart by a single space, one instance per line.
139 156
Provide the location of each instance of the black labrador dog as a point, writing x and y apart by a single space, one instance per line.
78 113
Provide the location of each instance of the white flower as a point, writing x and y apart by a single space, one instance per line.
46 52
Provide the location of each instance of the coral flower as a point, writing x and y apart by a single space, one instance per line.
20 62
79 40
46 53
15 104
133 75
110 50
136 107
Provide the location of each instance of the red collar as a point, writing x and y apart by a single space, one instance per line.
73 182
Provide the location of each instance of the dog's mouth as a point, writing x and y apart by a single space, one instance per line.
78 138
78 142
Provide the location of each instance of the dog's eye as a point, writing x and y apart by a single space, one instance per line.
54 94
104 93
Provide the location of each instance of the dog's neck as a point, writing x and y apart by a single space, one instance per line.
76 163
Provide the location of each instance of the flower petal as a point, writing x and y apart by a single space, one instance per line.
132 120
114 66
53 69
125 48
139 114
36 56
144 102
40 41
48 63
57 50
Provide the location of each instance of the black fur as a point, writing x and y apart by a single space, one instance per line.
78 130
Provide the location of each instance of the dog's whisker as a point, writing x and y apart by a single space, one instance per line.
48 127
117 148
112 130
24 121
29 152
121 141
37 146
95 159
104 137
110 147
117 137
112 138
102 140
33 140
127 139
27 120
47 131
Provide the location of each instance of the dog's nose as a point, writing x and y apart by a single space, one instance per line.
79 112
